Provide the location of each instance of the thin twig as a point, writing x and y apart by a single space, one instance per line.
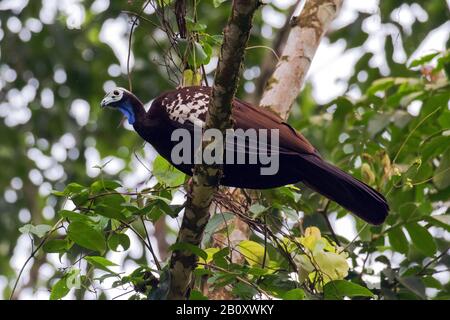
133 25
147 245
324 213
33 253
433 261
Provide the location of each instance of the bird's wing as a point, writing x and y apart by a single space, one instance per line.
247 116
187 107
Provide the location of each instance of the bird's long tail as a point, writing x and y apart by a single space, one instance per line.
352 194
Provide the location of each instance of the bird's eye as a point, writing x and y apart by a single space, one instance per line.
116 92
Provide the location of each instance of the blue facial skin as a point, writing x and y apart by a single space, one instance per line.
127 109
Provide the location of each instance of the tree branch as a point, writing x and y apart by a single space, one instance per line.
206 178
304 38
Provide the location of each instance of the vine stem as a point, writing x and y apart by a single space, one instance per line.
412 131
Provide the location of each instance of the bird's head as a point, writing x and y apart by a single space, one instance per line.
124 101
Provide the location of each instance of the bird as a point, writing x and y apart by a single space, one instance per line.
299 161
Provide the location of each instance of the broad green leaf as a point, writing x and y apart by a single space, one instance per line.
195 26
421 238
252 251
79 199
294 294
442 221
74 216
86 236
217 220
56 246
73 278
194 52
104 185
398 240
336 290
210 256
110 212
243 291
101 263
39 230
167 174
74 188
119 239
257 209
413 284
377 123
431 282
59 289
115 200
441 176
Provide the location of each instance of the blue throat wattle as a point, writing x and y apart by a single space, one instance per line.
127 109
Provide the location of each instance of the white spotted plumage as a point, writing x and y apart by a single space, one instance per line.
183 107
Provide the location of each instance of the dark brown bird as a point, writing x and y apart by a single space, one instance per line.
299 161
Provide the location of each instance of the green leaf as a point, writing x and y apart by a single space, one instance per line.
194 52
243 290
413 284
106 185
197 295
213 223
100 263
398 240
40 230
336 290
423 60
441 178
59 289
74 216
119 239
252 251
294 294
442 221
421 238
110 212
74 188
380 85
112 200
217 3
257 209
167 174
56 246
195 26
431 282
377 123
86 236
81 198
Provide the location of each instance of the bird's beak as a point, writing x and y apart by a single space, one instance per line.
104 103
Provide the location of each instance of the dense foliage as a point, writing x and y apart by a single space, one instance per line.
80 189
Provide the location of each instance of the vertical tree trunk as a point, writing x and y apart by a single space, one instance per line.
206 178
304 38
